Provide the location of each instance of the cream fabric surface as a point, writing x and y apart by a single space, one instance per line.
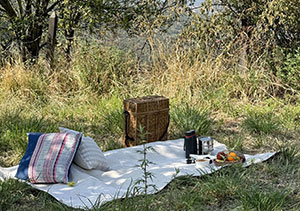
95 186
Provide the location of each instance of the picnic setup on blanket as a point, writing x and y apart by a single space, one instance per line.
73 169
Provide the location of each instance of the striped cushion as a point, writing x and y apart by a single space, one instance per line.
89 155
52 157
22 172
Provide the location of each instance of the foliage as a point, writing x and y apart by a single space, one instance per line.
246 32
136 16
72 14
289 72
142 185
25 22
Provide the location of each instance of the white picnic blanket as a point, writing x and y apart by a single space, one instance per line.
94 186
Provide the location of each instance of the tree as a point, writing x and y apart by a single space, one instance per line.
26 20
256 26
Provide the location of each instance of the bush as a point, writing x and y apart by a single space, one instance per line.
290 72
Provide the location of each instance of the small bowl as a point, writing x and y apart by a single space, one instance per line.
202 162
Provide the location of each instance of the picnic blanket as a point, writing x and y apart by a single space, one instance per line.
95 186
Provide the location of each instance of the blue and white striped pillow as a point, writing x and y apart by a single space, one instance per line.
52 157
22 172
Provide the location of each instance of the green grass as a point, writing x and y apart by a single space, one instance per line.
189 117
261 123
205 95
268 186
233 188
17 195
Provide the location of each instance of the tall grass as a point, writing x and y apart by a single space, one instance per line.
187 117
261 123
206 94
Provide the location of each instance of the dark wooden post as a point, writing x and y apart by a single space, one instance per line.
52 38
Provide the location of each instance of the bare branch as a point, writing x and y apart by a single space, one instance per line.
20 7
28 7
53 6
2 10
43 45
9 10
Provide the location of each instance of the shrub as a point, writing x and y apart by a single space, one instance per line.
290 72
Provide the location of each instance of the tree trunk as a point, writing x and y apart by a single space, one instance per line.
31 47
69 34
244 52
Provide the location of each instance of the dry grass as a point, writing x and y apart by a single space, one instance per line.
87 95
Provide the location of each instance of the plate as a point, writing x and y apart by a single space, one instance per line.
218 163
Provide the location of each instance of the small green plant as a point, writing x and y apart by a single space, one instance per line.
188 117
261 123
144 163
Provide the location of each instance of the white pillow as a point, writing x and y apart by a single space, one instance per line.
89 155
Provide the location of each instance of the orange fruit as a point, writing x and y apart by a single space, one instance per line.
232 156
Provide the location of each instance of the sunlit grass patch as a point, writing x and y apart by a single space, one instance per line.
187 117
27 84
261 123
234 142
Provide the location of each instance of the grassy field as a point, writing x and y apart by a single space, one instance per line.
251 112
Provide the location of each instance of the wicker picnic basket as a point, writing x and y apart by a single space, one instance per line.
149 112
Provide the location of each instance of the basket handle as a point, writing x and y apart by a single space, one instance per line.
166 130
127 137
